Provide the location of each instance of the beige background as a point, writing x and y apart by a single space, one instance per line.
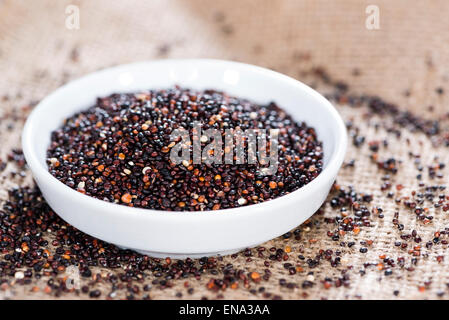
410 53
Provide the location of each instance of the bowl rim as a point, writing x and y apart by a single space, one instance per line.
334 163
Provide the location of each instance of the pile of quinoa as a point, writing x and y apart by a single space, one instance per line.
119 151
38 249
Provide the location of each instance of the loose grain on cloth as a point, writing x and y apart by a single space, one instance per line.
406 62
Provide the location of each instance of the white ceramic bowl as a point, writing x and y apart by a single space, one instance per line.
181 234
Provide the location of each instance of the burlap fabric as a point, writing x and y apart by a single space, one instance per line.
404 62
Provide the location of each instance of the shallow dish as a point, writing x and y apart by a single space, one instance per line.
186 234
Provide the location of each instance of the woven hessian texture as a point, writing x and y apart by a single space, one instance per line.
404 62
